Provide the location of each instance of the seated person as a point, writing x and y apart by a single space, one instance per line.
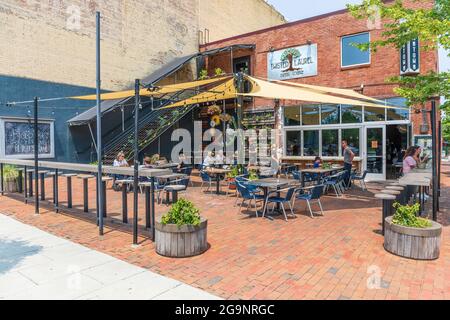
317 162
147 162
181 162
220 158
210 159
120 161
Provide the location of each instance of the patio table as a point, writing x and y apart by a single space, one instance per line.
319 172
418 179
270 184
217 173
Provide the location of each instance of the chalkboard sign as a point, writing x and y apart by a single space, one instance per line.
19 139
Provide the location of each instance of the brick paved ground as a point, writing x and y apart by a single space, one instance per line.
330 257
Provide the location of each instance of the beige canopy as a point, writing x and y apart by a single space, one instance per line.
270 90
157 91
322 89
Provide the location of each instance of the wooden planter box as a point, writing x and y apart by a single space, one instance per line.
181 242
414 243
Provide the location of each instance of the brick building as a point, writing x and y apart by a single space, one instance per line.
319 51
49 51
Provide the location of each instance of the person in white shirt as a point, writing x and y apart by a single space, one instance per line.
210 159
120 160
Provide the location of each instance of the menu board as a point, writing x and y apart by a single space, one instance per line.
19 139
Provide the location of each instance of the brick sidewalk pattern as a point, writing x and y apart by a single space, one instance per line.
337 256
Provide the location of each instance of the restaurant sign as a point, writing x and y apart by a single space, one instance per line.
291 63
410 58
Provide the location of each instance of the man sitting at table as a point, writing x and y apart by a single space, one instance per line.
210 159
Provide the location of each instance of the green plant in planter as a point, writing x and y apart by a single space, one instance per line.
183 212
407 216
203 75
233 173
10 172
253 175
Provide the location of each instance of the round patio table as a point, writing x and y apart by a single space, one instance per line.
217 173
271 184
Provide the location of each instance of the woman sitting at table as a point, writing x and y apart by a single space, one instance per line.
120 161
410 160
317 162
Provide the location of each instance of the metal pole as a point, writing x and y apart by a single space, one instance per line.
99 132
439 160
136 161
435 158
36 156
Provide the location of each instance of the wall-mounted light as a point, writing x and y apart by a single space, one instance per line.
309 42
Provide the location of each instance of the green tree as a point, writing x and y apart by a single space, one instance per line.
430 24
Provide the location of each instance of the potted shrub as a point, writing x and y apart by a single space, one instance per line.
410 236
231 177
181 232
10 178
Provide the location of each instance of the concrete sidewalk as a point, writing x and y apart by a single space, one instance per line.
38 265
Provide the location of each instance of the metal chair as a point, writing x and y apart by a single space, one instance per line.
247 194
206 178
314 195
335 182
361 179
281 200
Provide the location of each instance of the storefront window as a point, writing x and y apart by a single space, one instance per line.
397 114
330 114
374 114
351 55
292 116
352 138
310 115
351 114
311 143
330 143
293 143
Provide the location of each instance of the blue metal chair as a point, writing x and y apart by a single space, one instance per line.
281 200
206 178
333 181
314 195
297 175
287 170
247 194
361 179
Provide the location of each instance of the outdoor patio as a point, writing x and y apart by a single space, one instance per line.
336 256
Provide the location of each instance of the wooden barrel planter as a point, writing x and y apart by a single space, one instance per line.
181 242
10 185
414 243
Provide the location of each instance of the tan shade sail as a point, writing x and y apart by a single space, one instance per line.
158 90
322 89
223 91
265 89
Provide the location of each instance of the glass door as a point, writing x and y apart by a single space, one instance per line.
375 153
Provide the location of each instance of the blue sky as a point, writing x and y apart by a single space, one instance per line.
300 9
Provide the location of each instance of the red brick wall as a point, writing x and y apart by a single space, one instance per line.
326 31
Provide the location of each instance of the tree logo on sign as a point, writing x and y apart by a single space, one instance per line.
289 55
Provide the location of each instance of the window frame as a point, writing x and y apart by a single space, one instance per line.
342 51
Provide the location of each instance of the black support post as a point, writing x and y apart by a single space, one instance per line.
56 192
137 86
30 189
152 208
435 159
69 192
85 195
124 203
1 179
147 207
42 179
25 184
36 156
104 199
